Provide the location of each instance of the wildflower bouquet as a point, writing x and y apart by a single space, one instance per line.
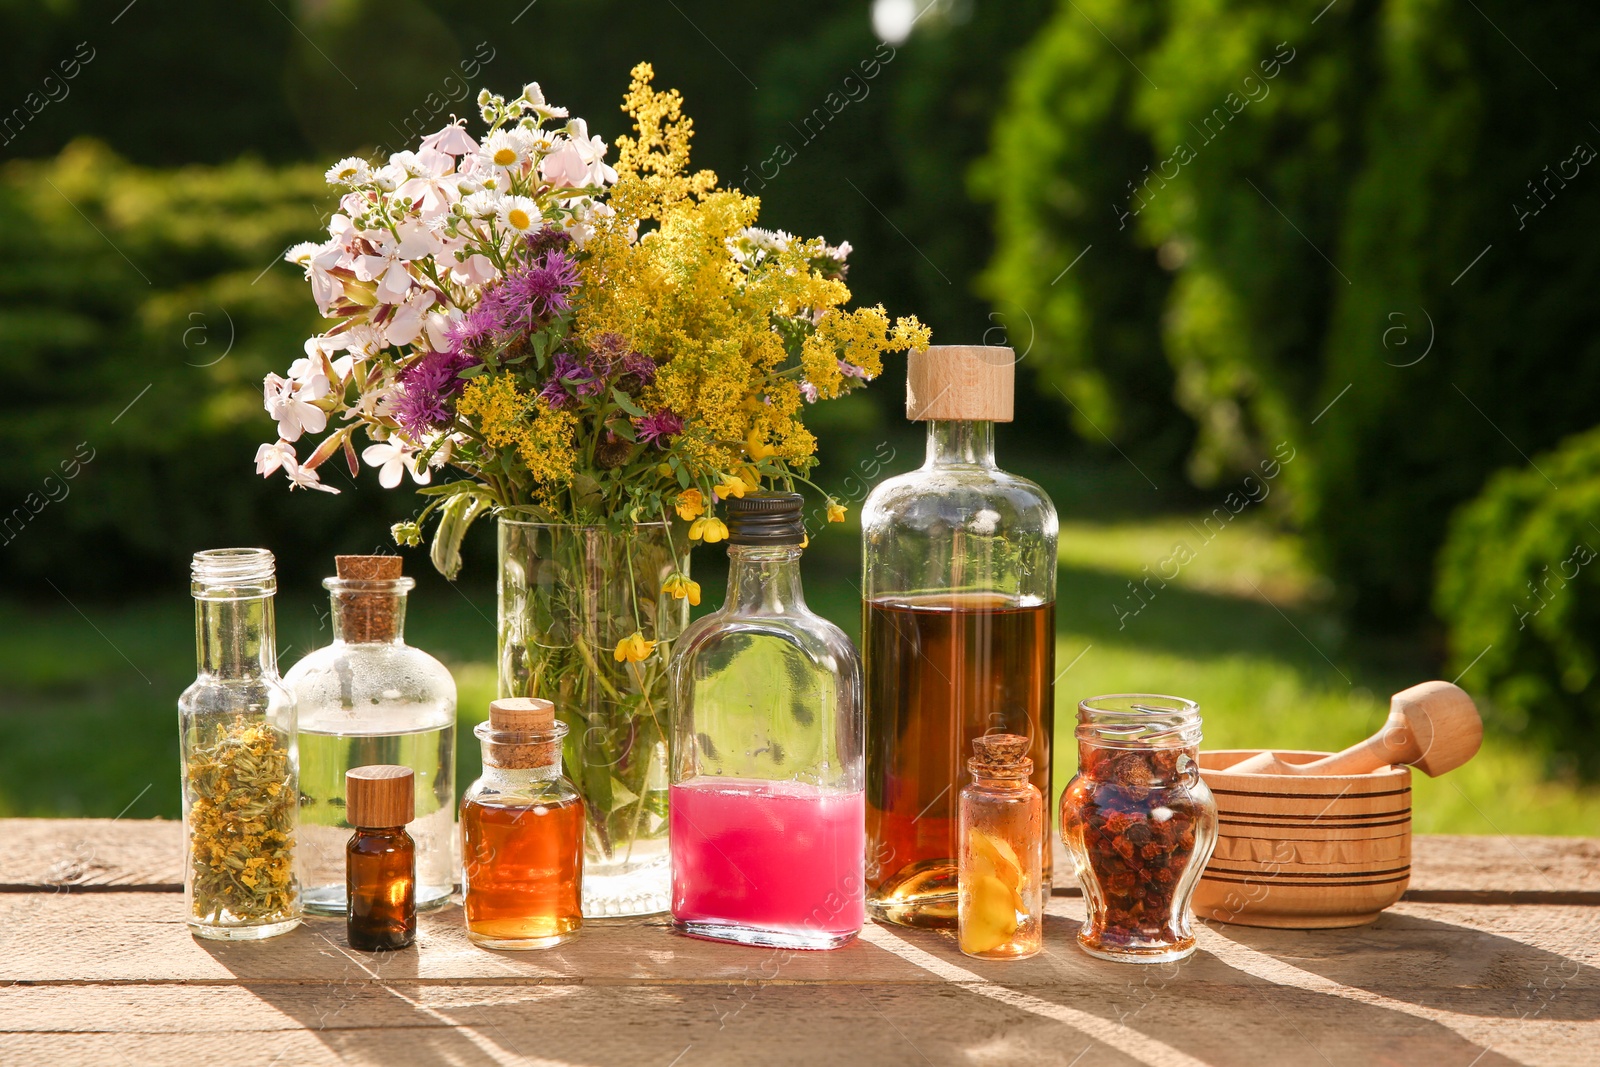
588 344
602 355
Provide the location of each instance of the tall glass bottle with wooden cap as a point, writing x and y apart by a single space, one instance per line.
236 740
958 628
371 699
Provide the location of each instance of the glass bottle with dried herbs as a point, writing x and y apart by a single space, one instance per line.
236 738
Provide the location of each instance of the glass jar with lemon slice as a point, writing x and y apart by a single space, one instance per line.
1000 904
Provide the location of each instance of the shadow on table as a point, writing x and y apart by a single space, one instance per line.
1214 1011
1444 966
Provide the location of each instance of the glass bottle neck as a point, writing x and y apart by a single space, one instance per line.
510 777
236 638
960 444
764 580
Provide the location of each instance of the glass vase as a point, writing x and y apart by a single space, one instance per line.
568 596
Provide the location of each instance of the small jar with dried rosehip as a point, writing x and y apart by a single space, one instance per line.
1140 825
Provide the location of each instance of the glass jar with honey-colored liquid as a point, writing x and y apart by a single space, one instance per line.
522 833
958 628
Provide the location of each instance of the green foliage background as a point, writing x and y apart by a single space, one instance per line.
1371 254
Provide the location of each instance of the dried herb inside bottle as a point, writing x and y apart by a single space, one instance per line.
241 824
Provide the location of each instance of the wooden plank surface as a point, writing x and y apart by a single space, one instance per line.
98 854
97 967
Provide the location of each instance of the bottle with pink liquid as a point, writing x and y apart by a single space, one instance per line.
768 765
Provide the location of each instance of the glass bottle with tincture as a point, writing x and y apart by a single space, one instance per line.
522 833
236 743
380 859
369 698
958 628
766 758
1140 824
1002 836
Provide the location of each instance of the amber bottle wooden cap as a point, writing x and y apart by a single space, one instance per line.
961 383
380 795
522 733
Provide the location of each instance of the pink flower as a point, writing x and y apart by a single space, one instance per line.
294 415
453 139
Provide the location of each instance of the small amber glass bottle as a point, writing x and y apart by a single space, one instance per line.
381 858
1001 901
522 833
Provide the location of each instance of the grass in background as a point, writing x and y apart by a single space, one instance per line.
88 715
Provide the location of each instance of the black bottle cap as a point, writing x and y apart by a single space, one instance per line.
765 519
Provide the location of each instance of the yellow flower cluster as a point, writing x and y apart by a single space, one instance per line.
678 293
544 442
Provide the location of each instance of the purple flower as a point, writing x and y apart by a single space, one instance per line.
654 429
568 378
529 295
555 394
548 239
478 328
426 386
640 366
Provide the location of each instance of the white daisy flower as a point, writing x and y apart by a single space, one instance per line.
351 171
481 205
519 213
502 151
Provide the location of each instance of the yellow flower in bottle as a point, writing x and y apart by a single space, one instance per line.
633 649
732 485
678 586
835 511
709 529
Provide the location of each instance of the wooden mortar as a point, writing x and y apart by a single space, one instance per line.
1304 851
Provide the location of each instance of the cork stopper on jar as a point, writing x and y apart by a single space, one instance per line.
369 609
379 796
1001 754
522 733
961 383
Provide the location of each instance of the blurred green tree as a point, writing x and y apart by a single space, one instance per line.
1519 584
1316 182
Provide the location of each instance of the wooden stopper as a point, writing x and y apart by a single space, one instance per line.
522 715
380 795
961 383
367 616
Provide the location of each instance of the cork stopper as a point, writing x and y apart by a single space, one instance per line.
367 568
1004 755
379 796
961 383
367 614
522 733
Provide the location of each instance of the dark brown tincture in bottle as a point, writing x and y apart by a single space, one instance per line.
381 859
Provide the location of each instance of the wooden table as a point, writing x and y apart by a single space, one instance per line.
1493 958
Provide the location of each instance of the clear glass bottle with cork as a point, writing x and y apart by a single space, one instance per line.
369 698
1002 838
958 628
522 833
380 859
236 741
766 794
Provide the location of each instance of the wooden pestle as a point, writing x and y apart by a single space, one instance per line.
1434 727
